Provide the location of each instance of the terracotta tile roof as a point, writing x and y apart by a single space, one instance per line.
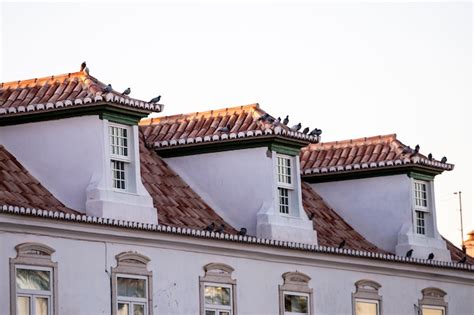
178 205
457 253
19 188
200 127
331 228
61 91
363 153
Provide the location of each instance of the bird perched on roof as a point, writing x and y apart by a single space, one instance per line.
462 260
409 253
225 129
155 99
210 227
407 150
444 160
263 117
107 89
417 148
127 91
296 127
83 66
306 130
430 256
342 244
220 229
316 132
286 120
243 231
430 157
277 122
311 216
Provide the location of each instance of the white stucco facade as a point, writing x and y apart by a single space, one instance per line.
382 210
86 254
241 186
71 158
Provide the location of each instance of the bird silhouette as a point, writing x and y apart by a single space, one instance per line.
342 244
264 117
296 127
277 122
127 91
107 89
417 148
83 66
316 132
286 120
306 130
243 231
155 99
430 157
311 216
444 160
430 256
409 253
210 227
407 150
225 129
220 229
462 260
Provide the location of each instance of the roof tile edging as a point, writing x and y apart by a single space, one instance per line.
9 209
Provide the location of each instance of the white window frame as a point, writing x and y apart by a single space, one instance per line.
433 307
297 294
295 283
422 230
34 256
131 301
125 159
288 187
218 308
368 301
217 275
367 291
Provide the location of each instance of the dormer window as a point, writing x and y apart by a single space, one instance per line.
421 206
284 182
119 138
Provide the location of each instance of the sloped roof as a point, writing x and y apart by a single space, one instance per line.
363 153
57 92
19 188
178 205
331 228
201 127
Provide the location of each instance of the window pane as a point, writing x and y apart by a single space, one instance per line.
32 279
224 313
284 200
296 303
217 295
210 312
122 309
41 306
23 305
138 309
366 308
131 287
432 311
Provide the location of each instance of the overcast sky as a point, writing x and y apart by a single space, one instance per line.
353 70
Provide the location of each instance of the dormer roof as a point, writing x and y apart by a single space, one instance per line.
65 92
364 154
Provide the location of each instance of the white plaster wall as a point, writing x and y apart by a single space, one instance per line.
84 285
234 183
376 207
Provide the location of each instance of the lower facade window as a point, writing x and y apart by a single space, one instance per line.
118 174
366 307
432 310
33 290
131 295
433 302
296 303
295 295
217 299
420 222
284 200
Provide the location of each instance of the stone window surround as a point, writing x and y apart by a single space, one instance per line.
217 273
367 290
35 255
433 297
133 264
295 282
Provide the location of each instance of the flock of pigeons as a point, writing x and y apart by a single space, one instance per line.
413 152
108 87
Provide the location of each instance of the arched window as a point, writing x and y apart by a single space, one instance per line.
34 279
295 295
217 290
131 285
366 299
432 302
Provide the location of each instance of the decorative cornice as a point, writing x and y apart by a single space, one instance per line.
59 216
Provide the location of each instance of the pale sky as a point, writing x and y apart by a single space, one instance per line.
351 69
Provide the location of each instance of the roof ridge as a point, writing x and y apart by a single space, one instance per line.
392 137
153 120
64 76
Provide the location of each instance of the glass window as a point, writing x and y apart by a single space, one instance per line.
118 174
284 199
421 196
33 290
217 299
118 141
432 310
296 303
420 222
131 295
366 307
284 170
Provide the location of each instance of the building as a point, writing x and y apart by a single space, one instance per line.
229 211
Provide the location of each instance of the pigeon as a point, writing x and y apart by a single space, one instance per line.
462 260
286 120
243 231
306 130
409 253
107 89
263 117
277 122
155 99
444 160
83 66
417 148
316 132
225 129
311 216
296 127
220 229
430 256
430 157
127 91
210 227
407 150
342 244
